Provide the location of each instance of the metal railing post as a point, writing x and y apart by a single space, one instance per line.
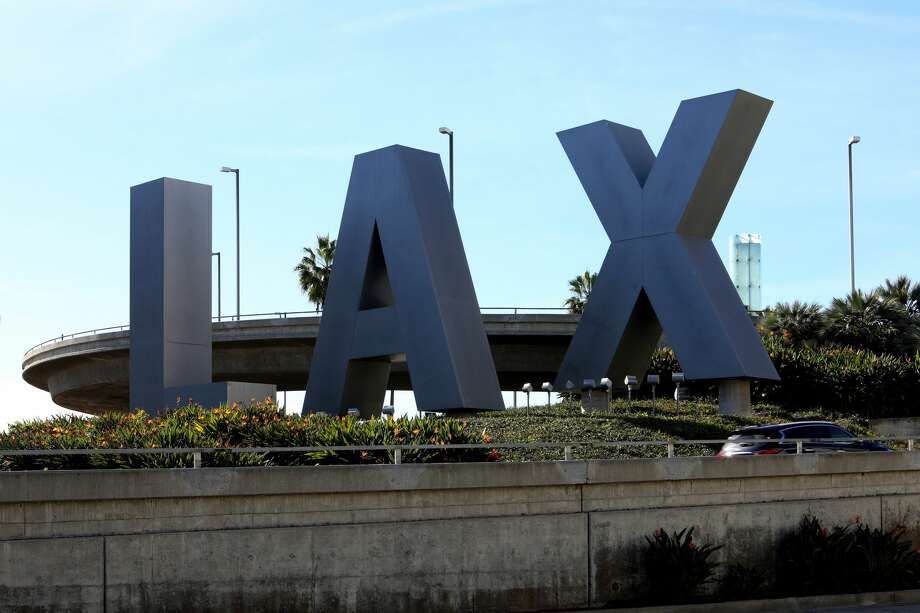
196 459
670 449
567 453
910 444
799 447
397 457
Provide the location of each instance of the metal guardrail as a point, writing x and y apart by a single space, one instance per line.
274 315
566 447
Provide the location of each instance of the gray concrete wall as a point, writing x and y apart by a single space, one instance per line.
467 537
896 426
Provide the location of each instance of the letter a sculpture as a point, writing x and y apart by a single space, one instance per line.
662 270
400 290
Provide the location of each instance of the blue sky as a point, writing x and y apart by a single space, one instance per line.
101 95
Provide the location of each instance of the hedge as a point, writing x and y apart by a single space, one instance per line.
839 379
258 425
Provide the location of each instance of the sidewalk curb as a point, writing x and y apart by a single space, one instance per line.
796 603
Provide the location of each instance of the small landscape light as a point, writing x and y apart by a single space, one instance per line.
548 388
653 380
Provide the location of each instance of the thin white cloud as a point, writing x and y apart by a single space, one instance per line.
826 12
48 49
396 18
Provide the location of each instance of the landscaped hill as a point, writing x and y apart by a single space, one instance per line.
264 425
634 421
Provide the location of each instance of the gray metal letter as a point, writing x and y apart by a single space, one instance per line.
170 289
400 290
661 269
170 347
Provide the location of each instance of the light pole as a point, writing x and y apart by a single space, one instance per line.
217 253
853 141
450 137
236 171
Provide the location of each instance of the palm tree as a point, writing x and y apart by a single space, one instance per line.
580 287
797 323
871 321
315 269
905 293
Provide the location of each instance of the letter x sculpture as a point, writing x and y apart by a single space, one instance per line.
662 270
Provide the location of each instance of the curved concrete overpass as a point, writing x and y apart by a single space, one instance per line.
90 373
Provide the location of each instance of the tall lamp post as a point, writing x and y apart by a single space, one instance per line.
217 253
450 136
236 171
853 141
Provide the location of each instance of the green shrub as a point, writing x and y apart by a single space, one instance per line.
260 424
845 559
838 379
842 379
676 568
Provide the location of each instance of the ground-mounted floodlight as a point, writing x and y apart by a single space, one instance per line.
653 380
632 383
588 385
608 384
527 389
548 388
388 411
353 412
677 378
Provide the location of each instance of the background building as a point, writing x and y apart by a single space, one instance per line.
744 268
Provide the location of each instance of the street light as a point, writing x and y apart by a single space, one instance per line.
853 141
236 171
217 253
450 136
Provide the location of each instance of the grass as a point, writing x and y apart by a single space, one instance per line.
633 422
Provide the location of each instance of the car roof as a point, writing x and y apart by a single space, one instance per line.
783 426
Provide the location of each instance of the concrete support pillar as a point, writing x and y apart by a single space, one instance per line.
735 397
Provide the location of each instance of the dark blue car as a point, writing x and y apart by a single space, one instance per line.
821 437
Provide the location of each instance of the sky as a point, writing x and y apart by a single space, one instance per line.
101 95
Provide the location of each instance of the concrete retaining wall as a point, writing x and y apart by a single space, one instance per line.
468 537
